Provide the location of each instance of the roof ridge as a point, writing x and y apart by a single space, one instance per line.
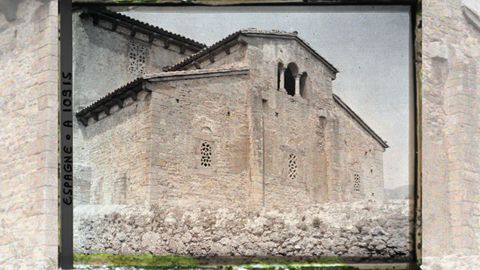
359 120
145 25
182 63
194 56
194 71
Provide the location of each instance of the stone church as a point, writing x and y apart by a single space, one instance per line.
250 121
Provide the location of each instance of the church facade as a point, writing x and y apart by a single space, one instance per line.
250 121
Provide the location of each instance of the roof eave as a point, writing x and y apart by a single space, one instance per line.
140 26
299 40
235 36
133 88
204 52
359 120
116 97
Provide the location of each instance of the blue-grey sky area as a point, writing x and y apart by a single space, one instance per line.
368 45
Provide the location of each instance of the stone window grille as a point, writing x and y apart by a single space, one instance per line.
137 56
292 166
356 182
206 154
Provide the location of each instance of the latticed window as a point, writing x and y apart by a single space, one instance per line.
292 166
137 56
356 182
206 154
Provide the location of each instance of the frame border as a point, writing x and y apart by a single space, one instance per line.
65 11
65 254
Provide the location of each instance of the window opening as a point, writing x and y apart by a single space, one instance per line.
206 155
292 166
356 182
137 55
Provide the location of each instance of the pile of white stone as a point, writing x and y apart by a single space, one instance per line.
349 230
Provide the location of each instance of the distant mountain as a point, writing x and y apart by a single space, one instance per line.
398 193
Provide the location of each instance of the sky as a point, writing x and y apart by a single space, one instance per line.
368 45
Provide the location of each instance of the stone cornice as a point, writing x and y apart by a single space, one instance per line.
136 26
116 97
359 120
196 74
133 88
471 10
233 39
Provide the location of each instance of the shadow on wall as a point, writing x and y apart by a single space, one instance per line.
9 8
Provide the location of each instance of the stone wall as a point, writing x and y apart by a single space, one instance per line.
264 55
118 151
28 134
294 155
308 125
362 158
186 115
101 64
266 148
102 58
236 55
451 131
346 230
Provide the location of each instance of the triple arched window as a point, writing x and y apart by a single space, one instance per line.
291 80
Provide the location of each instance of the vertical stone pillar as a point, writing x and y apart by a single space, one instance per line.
120 189
450 135
282 79
255 113
29 134
297 84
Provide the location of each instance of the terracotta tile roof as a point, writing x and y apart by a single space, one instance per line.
109 15
247 32
359 120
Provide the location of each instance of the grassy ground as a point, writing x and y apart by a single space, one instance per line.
158 262
138 260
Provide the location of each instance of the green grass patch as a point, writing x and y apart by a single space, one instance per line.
329 263
138 260
150 261
298 265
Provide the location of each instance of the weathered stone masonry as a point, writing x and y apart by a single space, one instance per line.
28 134
110 51
451 120
350 230
248 122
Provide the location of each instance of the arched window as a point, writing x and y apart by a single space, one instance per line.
303 85
289 77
